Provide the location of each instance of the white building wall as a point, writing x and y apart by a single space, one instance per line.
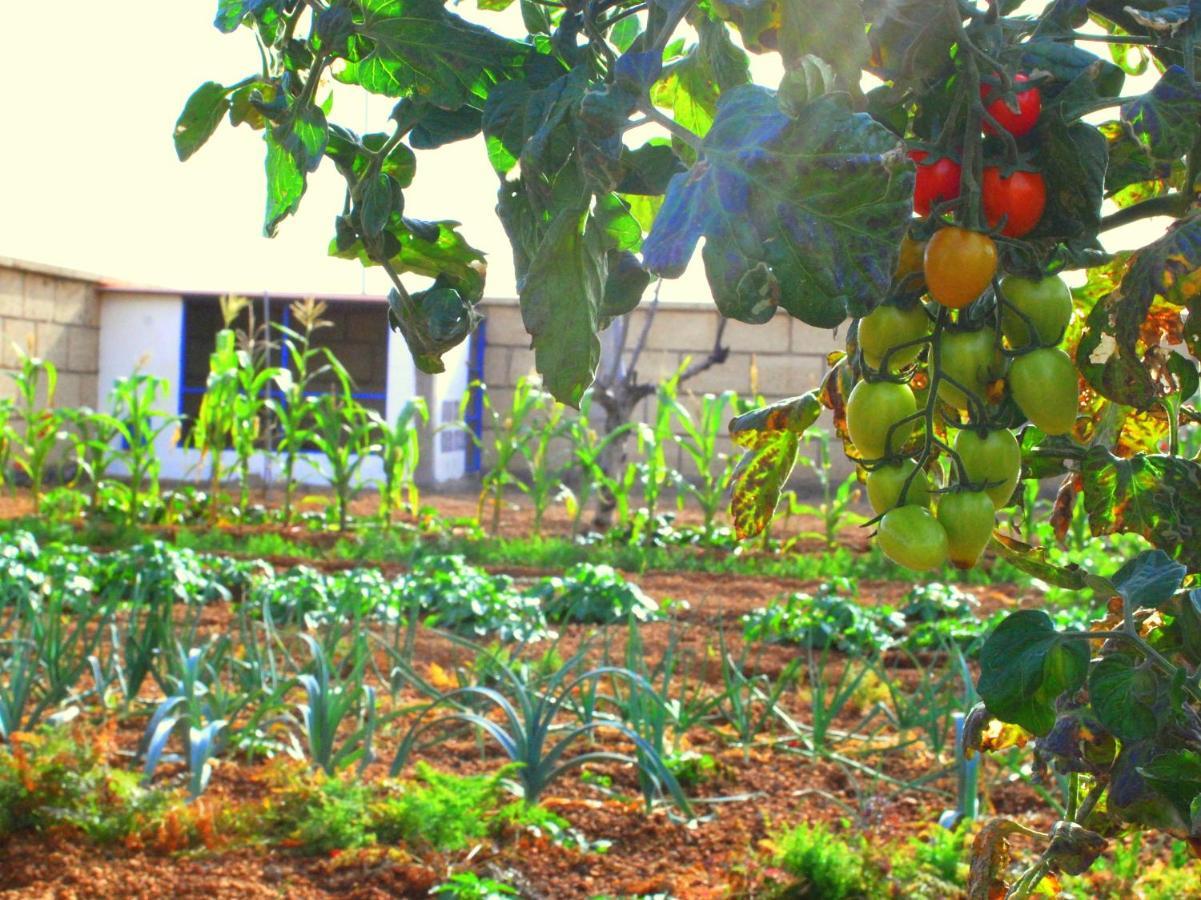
140 329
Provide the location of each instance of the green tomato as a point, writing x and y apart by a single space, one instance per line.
995 457
974 360
1047 303
968 518
886 327
884 486
910 536
873 408
1045 387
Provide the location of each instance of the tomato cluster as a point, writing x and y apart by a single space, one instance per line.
971 358
1014 195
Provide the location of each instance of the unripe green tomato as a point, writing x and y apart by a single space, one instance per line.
1045 387
968 518
1047 303
995 457
886 327
910 536
884 486
974 360
873 408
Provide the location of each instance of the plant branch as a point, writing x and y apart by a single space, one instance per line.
1174 205
677 130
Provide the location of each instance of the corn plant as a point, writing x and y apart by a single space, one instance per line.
836 509
37 429
138 425
588 448
213 429
546 482
700 440
94 435
293 407
507 438
400 451
653 472
345 434
529 733
329 705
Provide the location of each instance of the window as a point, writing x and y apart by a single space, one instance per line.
357 335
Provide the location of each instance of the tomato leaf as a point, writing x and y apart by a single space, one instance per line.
200 117
803 213
1157 496
1150 580
770 435
285 183
1074 162
1025 665
1033 561
795 414
761 475
230 13
405 47
1124 697
1165 119
561 295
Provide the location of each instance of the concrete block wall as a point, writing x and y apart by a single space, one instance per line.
781 358
53 313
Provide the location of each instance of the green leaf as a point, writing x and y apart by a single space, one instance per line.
1124 698
561 295
909 44
690 92
200 117
1025 665
1156 496
1149 580
433 249
626 283
806 213
649 169
432 322
416 47
833 31
1066 63
758 480
285 184
1166 119
230 13
305 134
439 127
1074 160
377 204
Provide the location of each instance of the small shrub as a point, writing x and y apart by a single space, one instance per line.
826 865
826 620
594 594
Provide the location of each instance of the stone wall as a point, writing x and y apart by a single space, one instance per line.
781 358
52 313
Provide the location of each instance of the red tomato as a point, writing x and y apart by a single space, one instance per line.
1030 104
936 182
1021 198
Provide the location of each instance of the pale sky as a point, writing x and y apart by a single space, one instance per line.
89 179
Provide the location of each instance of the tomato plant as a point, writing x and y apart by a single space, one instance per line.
800 196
